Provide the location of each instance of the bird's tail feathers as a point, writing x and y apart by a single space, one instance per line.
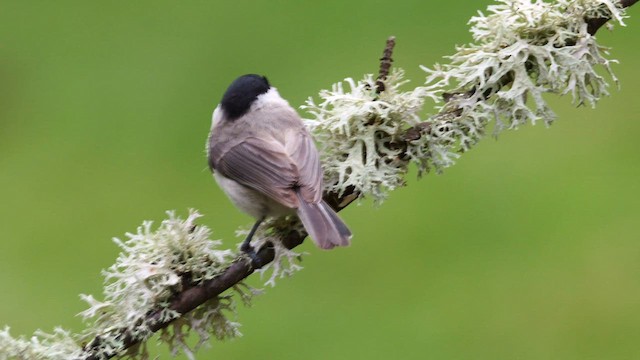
323 224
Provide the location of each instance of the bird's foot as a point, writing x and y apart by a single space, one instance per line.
251 252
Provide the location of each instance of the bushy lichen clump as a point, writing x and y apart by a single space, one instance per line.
356 129
60 345
152 266
522 50
272 233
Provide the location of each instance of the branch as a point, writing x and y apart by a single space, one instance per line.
385 64
193 296
596 23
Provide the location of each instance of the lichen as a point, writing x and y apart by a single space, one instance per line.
152 266
357 128
59 345
522 50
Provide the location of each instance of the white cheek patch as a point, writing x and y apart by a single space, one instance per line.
217 113
270 98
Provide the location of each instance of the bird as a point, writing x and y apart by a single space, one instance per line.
265 160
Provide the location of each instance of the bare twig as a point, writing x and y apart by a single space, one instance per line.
385 64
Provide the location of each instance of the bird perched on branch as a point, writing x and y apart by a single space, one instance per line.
265 160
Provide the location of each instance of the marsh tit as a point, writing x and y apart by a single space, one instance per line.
264 159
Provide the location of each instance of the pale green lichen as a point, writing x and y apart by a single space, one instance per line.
285 261
206 320
522 50
60 345
153 266
356 128
272 233
537 48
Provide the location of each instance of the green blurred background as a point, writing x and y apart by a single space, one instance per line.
526 249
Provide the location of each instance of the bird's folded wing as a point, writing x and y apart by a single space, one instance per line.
300 147
263 165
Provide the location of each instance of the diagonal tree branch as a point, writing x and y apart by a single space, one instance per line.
193 296
596 23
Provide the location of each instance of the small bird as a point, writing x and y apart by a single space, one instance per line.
264 159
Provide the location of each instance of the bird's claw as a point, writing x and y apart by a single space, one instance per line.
250 251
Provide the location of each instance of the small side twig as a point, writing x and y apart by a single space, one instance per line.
385 64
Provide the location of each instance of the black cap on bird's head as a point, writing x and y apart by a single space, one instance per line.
242 92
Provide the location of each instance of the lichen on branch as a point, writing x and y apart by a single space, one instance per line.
522 50
153 265
369 134
356 128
